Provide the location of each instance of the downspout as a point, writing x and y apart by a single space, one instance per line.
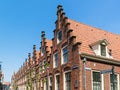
84 72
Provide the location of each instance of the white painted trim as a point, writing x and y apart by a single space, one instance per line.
118 81
97 50
102 77
50 84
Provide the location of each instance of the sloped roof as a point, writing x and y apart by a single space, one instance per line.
88 35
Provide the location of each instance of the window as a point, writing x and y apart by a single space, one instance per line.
103 50
100 48
64 55
67 81
59 36
42 51
55 59
57 82
41 83
40 67
50 82
45 83
115 82
97 81
44 64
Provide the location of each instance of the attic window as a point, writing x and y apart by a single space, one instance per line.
103 49
100 47
59 37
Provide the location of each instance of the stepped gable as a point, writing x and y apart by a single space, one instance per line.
49 44
35 56
88 35
45 43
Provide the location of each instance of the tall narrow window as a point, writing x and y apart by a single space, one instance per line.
65 55
68 81
59 36
57 83
45 83
50 83
42 51
96 81
103 50
115 81
44 64
41 68
55 59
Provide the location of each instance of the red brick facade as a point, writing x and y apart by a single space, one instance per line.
83 43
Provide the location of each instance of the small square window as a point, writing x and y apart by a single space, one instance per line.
59 36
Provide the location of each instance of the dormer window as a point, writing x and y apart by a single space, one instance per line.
103 49
59 37
100 48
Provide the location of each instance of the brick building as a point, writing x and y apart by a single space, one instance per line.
72 60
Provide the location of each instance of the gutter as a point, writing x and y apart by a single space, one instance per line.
100 59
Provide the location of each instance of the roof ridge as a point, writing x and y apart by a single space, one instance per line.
94 27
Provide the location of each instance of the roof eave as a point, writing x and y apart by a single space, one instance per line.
100 59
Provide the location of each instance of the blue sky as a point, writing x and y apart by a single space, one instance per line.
21 23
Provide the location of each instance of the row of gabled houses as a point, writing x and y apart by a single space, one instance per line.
79 57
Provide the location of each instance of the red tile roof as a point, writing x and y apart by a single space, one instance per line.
88 35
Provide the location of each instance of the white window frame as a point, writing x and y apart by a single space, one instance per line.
101 49
102 79
42 51
43 67
45 84
40 67
62 59
58 41
97 50
41 83
50 84
55 79
64 78
54 65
